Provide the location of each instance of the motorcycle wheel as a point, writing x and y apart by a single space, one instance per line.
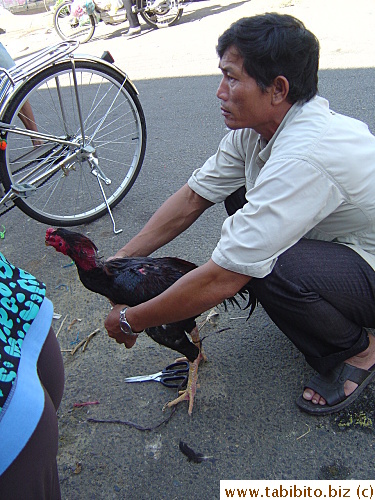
163 16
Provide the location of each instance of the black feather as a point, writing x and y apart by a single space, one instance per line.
192 456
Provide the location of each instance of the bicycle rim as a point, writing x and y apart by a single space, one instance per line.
71 28
115 130
164 16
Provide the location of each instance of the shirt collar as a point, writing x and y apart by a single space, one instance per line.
266 147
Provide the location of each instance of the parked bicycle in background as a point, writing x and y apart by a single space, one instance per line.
77 19
90 140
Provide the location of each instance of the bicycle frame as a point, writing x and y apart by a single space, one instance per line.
9 86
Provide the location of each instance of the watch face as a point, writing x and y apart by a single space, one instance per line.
125 327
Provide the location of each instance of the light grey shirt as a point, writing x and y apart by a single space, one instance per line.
315 178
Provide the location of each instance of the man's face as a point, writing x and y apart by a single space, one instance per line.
243 104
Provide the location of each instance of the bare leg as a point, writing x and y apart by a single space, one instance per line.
26 115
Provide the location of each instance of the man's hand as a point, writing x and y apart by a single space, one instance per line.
119 255
112 325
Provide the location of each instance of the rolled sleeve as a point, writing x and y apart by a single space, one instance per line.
224 172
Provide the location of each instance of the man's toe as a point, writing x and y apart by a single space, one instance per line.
314 397
308 394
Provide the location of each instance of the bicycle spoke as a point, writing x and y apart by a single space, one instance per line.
114 140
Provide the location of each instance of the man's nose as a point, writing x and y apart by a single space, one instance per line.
221 91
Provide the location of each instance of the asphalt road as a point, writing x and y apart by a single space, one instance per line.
244 416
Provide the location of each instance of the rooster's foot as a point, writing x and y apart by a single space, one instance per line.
189 393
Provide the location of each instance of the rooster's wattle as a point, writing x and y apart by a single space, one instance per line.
132 281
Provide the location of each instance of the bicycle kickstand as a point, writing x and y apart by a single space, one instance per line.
116 231
95 170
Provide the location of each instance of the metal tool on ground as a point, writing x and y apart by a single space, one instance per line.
173 376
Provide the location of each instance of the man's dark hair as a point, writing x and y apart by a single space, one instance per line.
274 45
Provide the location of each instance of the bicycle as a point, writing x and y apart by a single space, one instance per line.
91 136
167 13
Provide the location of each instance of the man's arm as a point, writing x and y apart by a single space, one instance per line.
175 215
196 292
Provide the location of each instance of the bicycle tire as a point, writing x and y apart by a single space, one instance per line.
70 28
163 17
115 127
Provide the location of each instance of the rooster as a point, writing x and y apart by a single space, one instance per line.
132 281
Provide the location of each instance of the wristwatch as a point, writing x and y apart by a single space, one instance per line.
124 325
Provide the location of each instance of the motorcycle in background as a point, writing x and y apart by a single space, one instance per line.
160 13
77 19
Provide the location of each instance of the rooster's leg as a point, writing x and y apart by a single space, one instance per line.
194 334
189 393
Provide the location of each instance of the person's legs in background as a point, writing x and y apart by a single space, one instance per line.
134 26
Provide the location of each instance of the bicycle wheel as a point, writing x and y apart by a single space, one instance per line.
114 133
72 28
165 15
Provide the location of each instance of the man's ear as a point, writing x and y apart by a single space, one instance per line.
280 90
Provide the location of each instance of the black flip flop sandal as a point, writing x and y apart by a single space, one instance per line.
331 388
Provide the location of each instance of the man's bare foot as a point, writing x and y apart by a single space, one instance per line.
365 360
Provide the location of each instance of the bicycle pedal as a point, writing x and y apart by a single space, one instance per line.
23 190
